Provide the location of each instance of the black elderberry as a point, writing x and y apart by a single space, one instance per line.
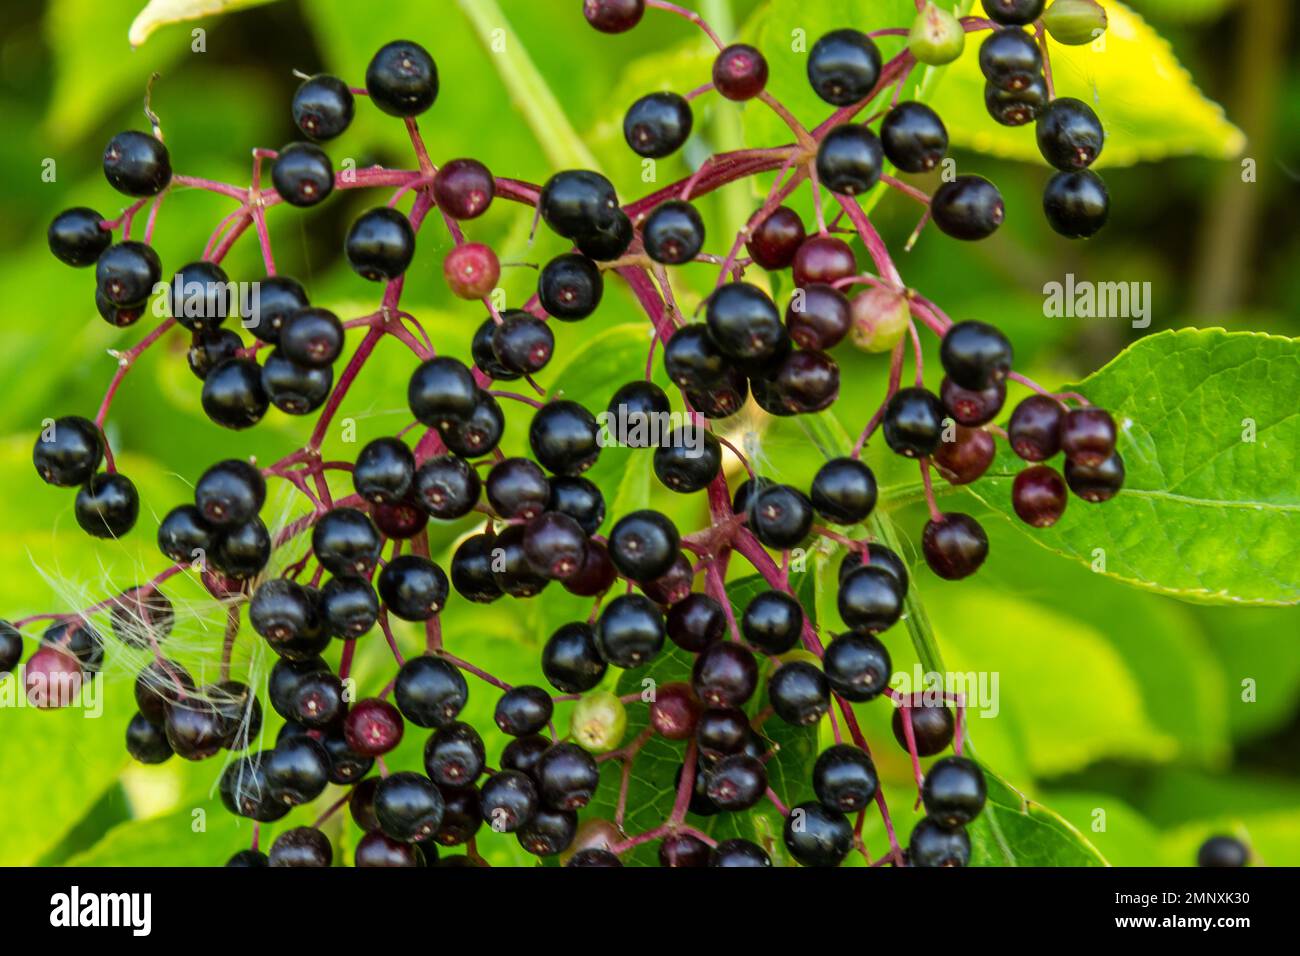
688 460
1014 13
843 67
578 498
1010 59
673 233
772 622
1222 851
737 782
630 631
408 807
480 431
345 542
76 237
576 202
954 546
973 408
303 174
464 188
745 323
799 693
522 343
969 208
523 711
348 607
380 244
608 238
278 297
507 800
209 349
1077 203
447 487
695 622
312 337
379 849
1038 496
567 777
933 844
913 137
817 835
818 317
126 273
441 391
471 569
725 674
1096 483
953 791
643 545
297 769
1088 436
845 778
780 516
454 756
293 388
402 79
548 832
844 491
513 572
1035 428
146 742
137 164
68 451
430 691
658 124
570 287
233 395
975 355
323 106
555 544
517 488
913 422
563 437
857 666
693 359
412 587
738 852
571 659
230 493
850 160
1019 106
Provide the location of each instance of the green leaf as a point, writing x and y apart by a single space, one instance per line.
1205 515
159 13
1115 75
1015 831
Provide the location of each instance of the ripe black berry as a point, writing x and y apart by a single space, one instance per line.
126 273
932 726
722 730
1096 483
844 491
479 432
576 202
975 355
137 164
199 295
107 505
523 711
857 666
141 617
1019 106
578 498
447 487
772 622
68 452
442 390
966 457
323 106
566 777
953 791
969 207
513 572
278 297
312 337
630 631
725 674
776 239
194 729
349 607
145 741
563 437
913 137
780 516
297 769
243 551
233 395
684 850
850 160
1222 851
384 471
1077 204
799 693
471 569
613 16
658 124
293 388
402 79
608 238
346 766
303 175
817 835
429 691
693 359
507 800
972 408
345 542
412 587
739 852
736 782
843 67
549 832
380 244
408 807
1010 59
517 488
870 599
522 342
1088 436
185 536
230 493
673 233
954 546
246 791
933 844
1035 428
845 778
695 622
740 72
1039 497
913 422
571 660
689 460
379 849
209 349
1014 13
454 756
76 238
570 287
555 544
745 323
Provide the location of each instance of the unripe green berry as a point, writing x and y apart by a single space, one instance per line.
880 319
1075 22
937 36
599 721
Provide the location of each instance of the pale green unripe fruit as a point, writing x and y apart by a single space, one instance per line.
1075 22
936 37
880 319
599 721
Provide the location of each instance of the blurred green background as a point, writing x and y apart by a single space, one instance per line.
1113 699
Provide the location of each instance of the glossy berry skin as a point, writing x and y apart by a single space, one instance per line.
209 349
723 399
566 777
243 551
471 569
454 756
1016 107
772 622
844 491
1077 204
574 202
246 792
441 390
429 691
402 79
780 516
555 544
673 233
301 846
806 381
1088 436
689 460
571 660
513 572
725 674
233 395
230 493
471 270
818 317
608 238
523 710
674 713
744 322
522 343
107 505
303 174
843 66
198 295
672 586
464 188
799 693
975 355
1014 13
146 742
613 16
870 599
400 520
776 239
932 726
1010 59
738 852
1035 428
507 800
479 432
380 244
693 359
850 160
1039 497
278 298
578 498
412 587
323 106
695 622
857 666
683 850
293 388
249 859
954 546
373 727
1222 851
933 844
968 208
597 574
658 124
68 452
953 791
722 730
126 273
137 164
845 778
1098 483
549 832
297 770
967 457
75 236
562 437
973 408
630 631
736 782
570 287
913 137
349 607
913 422
345 542
740 72
816 835
384 471
408 807
824 259
380 850
447 486
184 535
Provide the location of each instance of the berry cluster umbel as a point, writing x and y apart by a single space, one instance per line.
369 559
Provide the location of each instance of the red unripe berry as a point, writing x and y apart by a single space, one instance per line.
53 678
823 259
373 727
472 270
464 188
740 72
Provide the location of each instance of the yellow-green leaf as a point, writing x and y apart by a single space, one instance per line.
158 13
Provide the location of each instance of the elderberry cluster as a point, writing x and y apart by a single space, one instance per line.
543 518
